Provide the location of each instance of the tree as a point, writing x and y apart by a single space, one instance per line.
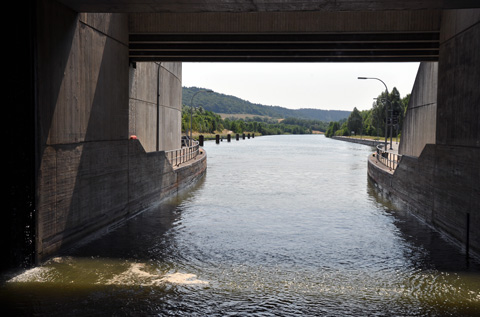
355 122
378 115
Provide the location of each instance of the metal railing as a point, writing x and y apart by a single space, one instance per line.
389 159
184 154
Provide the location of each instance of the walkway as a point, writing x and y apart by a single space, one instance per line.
395 146
201 154
387 162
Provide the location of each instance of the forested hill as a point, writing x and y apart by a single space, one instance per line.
220 103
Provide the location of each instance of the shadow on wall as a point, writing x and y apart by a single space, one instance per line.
84 125
91 174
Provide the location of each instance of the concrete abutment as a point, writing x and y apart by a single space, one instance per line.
438 178
91 100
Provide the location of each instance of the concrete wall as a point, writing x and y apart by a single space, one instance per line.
90 100
442 184
434 187
82 114
458 118
155 113
419 125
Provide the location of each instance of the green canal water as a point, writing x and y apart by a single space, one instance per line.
279 226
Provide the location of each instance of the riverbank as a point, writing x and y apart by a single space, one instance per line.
224 134
370 142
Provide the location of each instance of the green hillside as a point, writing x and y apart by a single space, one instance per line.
221 103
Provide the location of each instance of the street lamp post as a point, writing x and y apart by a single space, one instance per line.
386 111
377 119
191 110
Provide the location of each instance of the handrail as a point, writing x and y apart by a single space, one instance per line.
184 154
389 159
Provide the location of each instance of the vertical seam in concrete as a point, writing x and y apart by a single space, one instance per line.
159 65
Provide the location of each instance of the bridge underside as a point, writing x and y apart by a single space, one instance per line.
380 36
188 6
280 31
353 47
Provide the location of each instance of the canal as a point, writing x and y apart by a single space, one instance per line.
279 226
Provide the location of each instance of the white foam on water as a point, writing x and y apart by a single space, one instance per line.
37 274
183 278
140 274
136 274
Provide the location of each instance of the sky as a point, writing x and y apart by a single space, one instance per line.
327 86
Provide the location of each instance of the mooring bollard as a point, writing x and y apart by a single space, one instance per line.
200 140
248 135
237 136
217 138
243 136
253 135
229 137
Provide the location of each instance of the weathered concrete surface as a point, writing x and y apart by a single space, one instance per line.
442 184
419 125
82 123
90 100
152 178
285 22
427 187
458 117
293 36
156 105
120 6
77 101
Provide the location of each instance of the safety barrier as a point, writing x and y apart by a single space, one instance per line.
184 154
388 159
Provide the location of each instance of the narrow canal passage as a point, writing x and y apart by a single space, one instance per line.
279 226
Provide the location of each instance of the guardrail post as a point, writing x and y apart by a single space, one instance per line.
388 159
184 154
